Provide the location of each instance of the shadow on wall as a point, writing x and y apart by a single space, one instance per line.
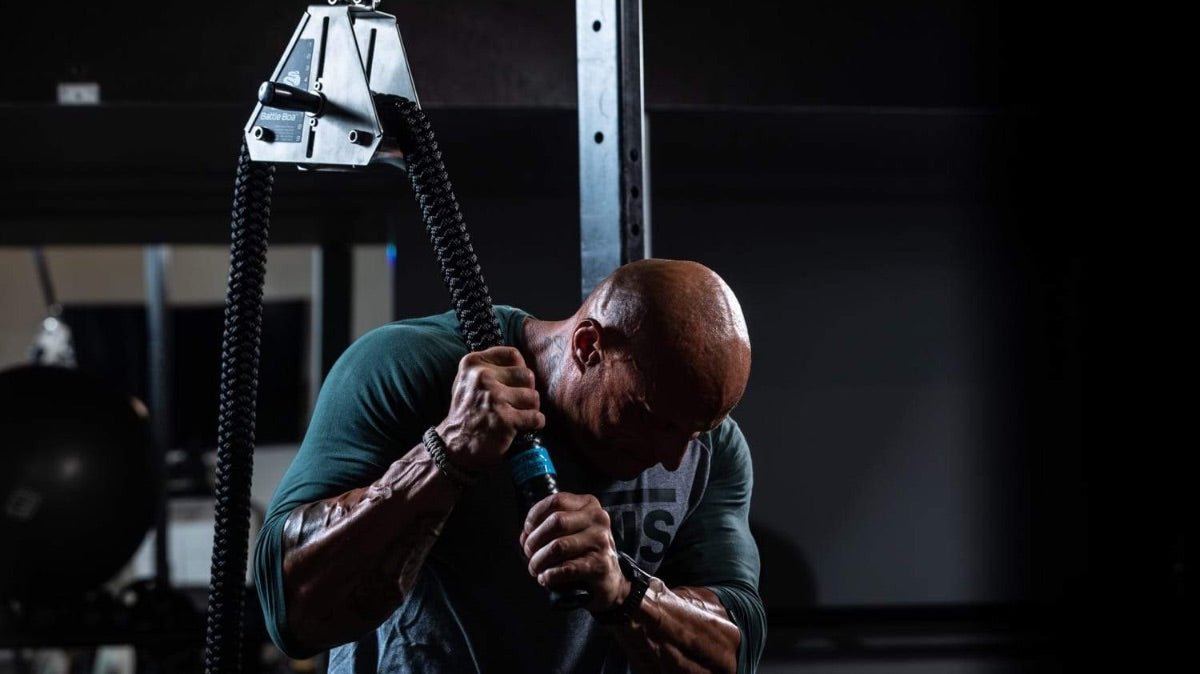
786 579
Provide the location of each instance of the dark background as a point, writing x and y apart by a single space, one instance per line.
110 341
951 226
521 52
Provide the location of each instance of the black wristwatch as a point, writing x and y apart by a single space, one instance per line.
639 582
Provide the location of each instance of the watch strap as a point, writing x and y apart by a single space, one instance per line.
639 582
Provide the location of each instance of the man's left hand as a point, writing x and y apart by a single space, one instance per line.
568 540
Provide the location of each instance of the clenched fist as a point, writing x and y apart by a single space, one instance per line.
568 540
493 398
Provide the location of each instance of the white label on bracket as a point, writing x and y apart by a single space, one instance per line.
78 93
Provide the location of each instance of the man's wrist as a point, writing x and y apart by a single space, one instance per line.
622 595
634 584
436 446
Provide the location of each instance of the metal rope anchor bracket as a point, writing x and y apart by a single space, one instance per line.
318 110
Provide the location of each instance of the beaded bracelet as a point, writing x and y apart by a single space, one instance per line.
437 450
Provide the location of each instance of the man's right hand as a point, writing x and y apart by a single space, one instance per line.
493 399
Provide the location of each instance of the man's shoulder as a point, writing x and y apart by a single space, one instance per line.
424 339
441 327
408 342
727 442
730 466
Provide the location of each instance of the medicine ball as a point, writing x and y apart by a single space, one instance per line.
77 482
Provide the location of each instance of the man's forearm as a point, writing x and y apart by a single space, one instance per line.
348 561
683 629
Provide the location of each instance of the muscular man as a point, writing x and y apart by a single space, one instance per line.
401 565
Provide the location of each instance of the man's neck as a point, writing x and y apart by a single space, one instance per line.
545 351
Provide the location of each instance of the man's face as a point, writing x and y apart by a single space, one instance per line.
619 429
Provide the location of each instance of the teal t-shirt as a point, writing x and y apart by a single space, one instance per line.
474 607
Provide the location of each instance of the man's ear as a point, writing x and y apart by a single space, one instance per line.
587 347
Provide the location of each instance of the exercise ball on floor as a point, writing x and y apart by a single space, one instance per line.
77 483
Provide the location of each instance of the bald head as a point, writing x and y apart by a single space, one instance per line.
684 329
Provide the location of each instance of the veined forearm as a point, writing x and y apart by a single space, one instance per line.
683 629
348 561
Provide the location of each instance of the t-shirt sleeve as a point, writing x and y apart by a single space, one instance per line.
379 397
714 548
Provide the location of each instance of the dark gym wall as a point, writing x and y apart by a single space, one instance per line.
521 52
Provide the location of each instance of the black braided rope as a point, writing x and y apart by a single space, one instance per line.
448 234
235 429
443 221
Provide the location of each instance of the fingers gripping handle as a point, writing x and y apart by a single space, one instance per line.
535 477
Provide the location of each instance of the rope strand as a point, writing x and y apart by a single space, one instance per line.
443 221
240 348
